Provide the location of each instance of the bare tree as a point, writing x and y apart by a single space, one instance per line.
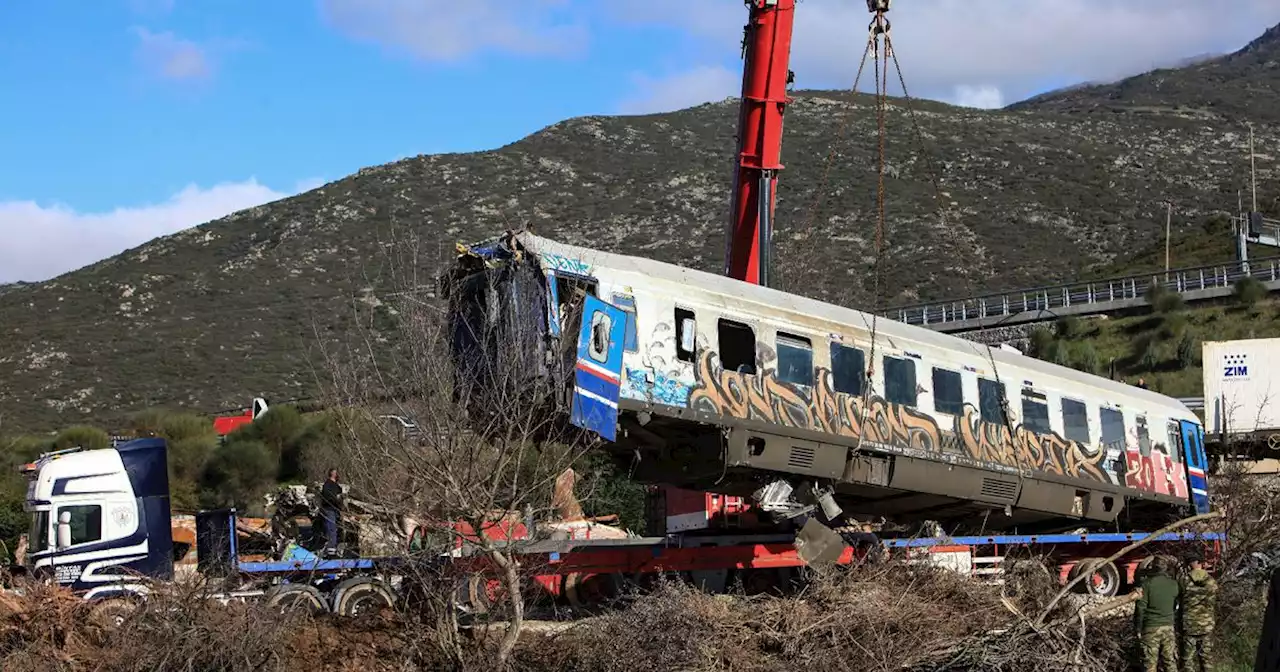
480 435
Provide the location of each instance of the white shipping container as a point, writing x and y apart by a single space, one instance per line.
1241 390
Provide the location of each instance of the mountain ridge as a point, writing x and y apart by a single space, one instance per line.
247 305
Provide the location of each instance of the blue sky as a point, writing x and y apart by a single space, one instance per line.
128 119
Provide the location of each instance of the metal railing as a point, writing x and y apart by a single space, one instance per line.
987 309
1193 403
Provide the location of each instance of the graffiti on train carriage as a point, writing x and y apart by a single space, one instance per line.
886 426
1156 472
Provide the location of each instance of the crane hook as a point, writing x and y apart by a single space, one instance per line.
879 25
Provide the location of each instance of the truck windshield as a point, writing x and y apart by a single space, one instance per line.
38 539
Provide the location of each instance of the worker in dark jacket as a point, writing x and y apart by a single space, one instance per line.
331 510
1153 618
1199 594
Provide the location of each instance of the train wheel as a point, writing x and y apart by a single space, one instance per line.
583 589
362 596
1104 577
296 597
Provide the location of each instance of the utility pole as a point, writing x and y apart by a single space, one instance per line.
1168 221
1253 170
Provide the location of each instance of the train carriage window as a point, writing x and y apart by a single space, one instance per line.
900 381
991 401
601 325
686 332
628 305
795 360
1075 421
947 394
737 347
848 368
1144 438
1035 412
1175 442
1112 428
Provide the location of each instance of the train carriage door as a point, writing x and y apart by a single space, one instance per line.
598 373
1197 465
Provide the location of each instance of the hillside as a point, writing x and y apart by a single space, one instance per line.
1244 85
211 316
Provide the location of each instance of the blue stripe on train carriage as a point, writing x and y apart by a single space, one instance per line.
553 304
1197 465
598 373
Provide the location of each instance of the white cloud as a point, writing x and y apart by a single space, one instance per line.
985 97
43 241
1018 47
448 31
681 90
171 57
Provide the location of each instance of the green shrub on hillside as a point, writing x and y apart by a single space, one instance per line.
81 436
1039 341
1172 325
1188 350
239 474
1084 357
1248 291
1069 327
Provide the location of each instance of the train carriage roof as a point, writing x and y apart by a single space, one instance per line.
774 300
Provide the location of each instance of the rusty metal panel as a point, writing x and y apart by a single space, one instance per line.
818 545
868 469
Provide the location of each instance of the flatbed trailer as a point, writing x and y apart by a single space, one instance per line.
579 573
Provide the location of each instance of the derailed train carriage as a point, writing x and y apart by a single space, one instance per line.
704 382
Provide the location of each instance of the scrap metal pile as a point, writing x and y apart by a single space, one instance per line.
294 526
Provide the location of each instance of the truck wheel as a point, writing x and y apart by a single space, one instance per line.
586 589
1104 579
361 596
112 612
296 597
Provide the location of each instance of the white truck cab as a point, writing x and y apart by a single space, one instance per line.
100 518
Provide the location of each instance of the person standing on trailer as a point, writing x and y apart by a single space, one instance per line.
1153 618
1199 597
331 510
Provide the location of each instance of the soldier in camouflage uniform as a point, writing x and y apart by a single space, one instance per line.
1199 594
1153 619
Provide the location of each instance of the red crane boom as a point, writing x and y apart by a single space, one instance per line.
765 75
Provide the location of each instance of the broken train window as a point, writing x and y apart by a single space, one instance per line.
628 305
1144 438
601 324
737 347
686 335
991 401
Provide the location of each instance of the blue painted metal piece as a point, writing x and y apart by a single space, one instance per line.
598 373
316 565
1197 465
1020 539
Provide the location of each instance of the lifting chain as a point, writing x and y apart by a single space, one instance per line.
878 31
